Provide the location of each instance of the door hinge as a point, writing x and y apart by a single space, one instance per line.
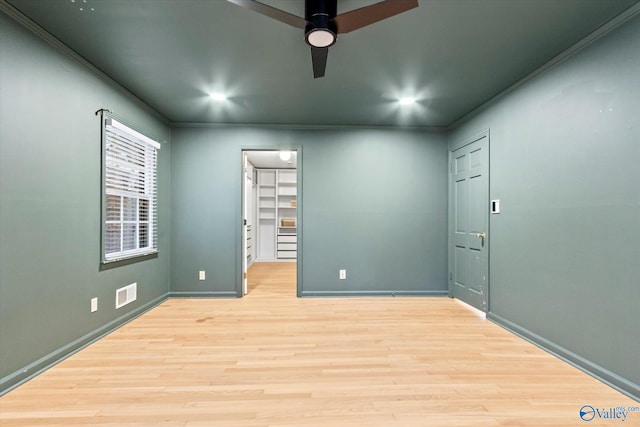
244 275
450 275
245 222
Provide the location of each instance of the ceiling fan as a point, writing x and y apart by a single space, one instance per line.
321 23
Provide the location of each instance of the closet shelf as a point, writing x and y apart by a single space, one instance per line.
277 192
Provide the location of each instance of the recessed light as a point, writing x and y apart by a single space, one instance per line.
217 96
407 101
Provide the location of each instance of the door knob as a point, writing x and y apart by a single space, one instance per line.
481 236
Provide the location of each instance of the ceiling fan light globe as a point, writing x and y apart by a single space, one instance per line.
285 156
320 37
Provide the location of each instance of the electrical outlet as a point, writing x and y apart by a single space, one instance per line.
94 304
342 274
202 275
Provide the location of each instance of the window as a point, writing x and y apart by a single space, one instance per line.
129 182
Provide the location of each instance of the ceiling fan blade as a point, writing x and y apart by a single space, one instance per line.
358 18
271 12
319 60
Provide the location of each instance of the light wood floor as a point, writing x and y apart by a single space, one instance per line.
273 359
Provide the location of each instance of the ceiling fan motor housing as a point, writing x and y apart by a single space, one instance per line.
322 23
321 29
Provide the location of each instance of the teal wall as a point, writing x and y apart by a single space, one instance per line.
374 201
564 259
565 263
50 206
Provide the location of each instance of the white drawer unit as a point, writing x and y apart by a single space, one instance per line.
287 246
287 239
287 254
287 230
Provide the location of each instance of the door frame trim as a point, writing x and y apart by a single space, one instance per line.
239 224
454 146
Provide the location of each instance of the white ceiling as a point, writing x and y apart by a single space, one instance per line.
271 160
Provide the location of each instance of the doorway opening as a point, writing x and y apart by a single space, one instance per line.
271 195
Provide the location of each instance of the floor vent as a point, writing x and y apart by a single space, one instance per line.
126 295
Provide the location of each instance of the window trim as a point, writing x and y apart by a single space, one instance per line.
112 127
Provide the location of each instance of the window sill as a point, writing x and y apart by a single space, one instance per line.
107 265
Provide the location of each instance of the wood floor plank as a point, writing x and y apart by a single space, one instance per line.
271 359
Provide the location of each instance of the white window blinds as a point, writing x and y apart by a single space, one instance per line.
130 192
